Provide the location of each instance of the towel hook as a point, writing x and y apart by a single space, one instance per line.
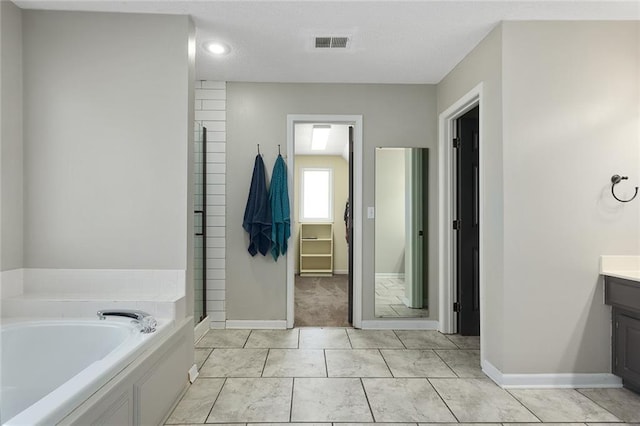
279 149
258 149
616 179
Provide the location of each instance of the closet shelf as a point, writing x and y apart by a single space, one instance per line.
316 249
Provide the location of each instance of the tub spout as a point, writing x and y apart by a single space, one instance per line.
146 322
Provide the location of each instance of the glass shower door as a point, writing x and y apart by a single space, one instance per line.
200 224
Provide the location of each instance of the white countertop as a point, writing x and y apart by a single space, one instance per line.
625 267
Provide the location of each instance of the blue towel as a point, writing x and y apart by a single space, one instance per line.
257 214
280 216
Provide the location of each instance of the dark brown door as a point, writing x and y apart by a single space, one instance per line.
468 222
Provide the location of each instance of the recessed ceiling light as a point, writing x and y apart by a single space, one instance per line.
216 48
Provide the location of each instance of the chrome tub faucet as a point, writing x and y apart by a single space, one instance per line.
145 321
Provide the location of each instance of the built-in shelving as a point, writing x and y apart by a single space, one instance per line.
316 249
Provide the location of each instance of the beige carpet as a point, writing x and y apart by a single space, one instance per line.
322 301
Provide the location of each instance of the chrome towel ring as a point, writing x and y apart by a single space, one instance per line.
616 179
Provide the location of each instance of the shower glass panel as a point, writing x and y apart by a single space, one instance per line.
200 223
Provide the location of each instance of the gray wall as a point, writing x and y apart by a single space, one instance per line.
561 115
108 134
393 115
11 139
483 64
571 120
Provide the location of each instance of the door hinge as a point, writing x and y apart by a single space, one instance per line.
456 307
456 224
456 142
617 324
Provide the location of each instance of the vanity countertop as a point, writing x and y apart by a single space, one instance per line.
625 267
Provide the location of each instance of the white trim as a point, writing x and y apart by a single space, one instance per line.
400 324
445 202
396 275
201 329
356 121
257 324
562 380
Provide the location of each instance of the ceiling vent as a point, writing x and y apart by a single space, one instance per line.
332 42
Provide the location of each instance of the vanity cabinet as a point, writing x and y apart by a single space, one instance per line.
624 297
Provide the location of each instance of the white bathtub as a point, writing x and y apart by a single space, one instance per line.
50 367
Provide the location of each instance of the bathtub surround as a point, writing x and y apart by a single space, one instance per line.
69 293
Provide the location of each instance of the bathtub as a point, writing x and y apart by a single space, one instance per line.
49 367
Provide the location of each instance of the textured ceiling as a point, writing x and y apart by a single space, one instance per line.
391 41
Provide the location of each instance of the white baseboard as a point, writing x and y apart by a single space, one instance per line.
400 324
397 275
340 272
563 380
201 329
258 324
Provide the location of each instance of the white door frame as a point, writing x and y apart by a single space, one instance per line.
356 122
446 241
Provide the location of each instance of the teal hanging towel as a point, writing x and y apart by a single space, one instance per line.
280 215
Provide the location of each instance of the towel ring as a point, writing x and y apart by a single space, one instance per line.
616 179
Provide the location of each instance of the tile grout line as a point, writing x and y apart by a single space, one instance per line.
326 365
293 388
596 402
522 403
373 417
264 365
442 399
215 400
246 340
398 337
349 339
435 351
386 363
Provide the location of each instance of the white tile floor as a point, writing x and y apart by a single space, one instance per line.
320 376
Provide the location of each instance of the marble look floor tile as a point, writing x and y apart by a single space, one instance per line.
377 424
464 342
465 363
324 338
295 363
374 339
562 405
481 400
424 339
356 363
415 363
621 402
234 363
546 424
290 424
329 400
405 400
612 424
223 339
201 355
281 339
253 400
196 402
473 424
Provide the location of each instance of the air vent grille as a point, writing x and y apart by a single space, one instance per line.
332 42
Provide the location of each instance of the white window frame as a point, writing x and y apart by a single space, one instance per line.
304 219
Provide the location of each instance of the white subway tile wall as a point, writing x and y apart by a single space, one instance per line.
210 112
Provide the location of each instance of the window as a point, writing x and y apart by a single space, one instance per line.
316 195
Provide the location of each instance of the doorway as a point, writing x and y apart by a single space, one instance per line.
320 230
466 225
